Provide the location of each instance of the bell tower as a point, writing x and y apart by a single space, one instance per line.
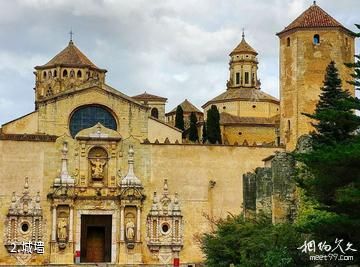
307 45
243 66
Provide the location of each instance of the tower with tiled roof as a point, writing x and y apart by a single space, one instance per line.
67 70
307 45
156 103
187 108
246 112
243 66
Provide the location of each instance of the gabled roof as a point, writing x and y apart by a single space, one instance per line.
242 94
71 56
243 47
146 96
187 107
314 17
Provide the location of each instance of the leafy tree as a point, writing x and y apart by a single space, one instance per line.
330 172
255 242
204 133
193 132
179 118
213 125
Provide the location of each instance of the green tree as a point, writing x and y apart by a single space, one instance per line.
255 242
179 118
335 120
213 125
330 172
355 66
193 131
204 133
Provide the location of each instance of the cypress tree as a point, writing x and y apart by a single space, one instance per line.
204 133
213 125
179 118
193 132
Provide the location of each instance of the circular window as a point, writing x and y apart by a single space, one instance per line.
165 228
254 106
88 116
25 227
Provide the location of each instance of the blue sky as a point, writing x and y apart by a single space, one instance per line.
176 49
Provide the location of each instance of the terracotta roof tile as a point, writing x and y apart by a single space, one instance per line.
226 118
243 47
146 96
246 94
187 107
313 17
70 56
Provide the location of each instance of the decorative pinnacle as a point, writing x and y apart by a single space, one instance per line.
166 191
243 33
71 33
26 186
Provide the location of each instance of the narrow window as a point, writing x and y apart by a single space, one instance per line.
44 74
288 41
253 78
155 113
316 39
65 74
346 41
237 78
79 74
289 125
55 73
246 77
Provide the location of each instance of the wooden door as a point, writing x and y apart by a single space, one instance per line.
95 244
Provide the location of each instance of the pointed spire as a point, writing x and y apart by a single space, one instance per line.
243 33
166 190
130 179
26 186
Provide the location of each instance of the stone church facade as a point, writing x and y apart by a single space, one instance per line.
93 175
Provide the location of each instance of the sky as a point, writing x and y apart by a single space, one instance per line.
171 48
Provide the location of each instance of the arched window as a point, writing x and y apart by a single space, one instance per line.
88 116
44 74
55 73
155 113
316 39
288 41
78 74
65 74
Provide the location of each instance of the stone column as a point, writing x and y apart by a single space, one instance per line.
138 224
53 228
71 223
122 222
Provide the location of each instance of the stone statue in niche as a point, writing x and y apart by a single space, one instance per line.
97 168
130 230
62 229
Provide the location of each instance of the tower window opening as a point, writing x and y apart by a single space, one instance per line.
44 74
78 74
246 77
316 39
55 73
346 41
237 78
289 126
288 41
155 113
65 73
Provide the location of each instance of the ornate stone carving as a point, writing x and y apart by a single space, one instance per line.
97 168
65 178
24 220
130 230
164 224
